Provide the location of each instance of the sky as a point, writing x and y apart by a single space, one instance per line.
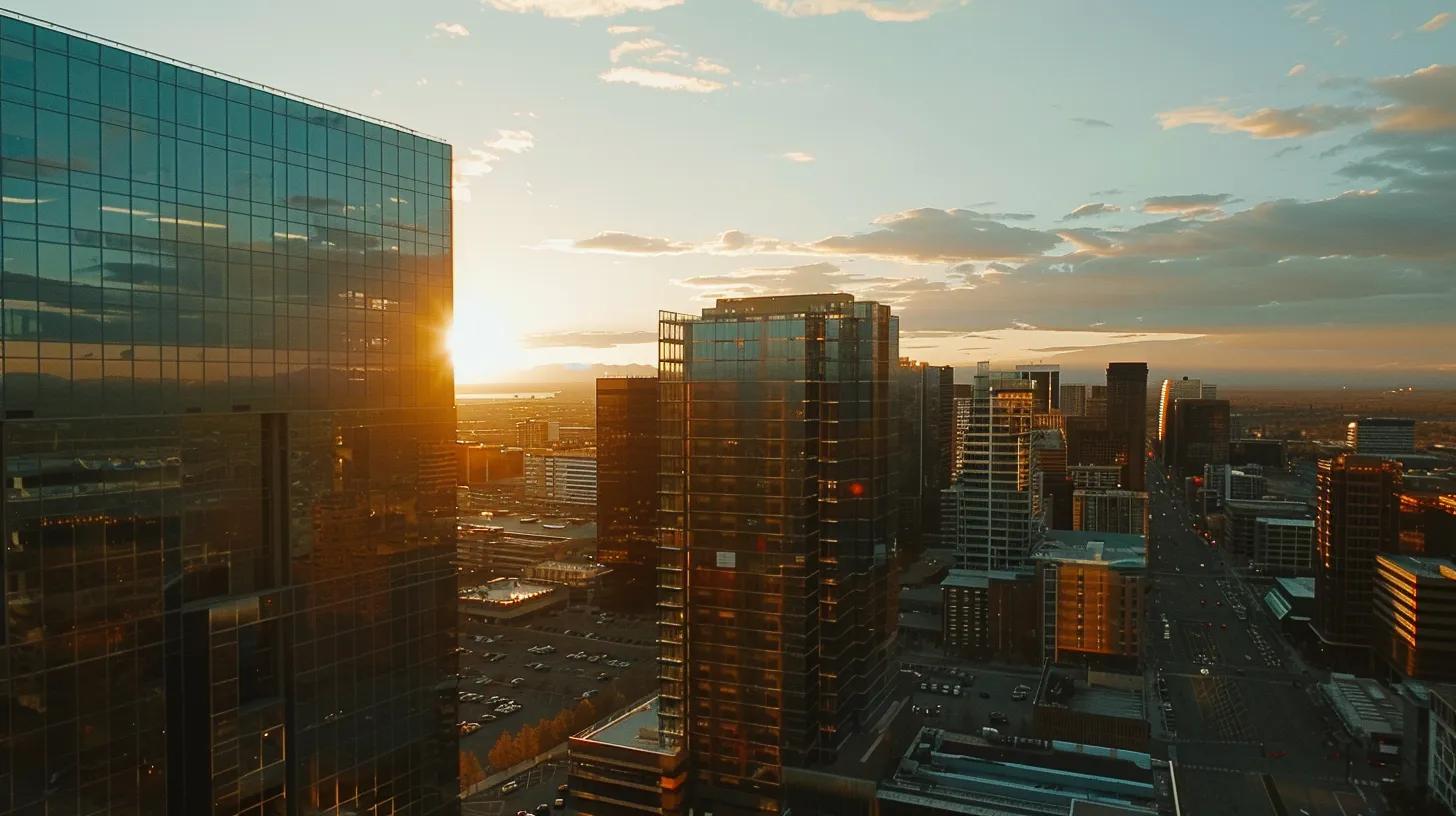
1260 192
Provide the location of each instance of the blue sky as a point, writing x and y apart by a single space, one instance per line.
1272 186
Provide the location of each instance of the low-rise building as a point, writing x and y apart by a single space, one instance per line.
1369 713
622 767
1096 708
1094 477
509 599
1291 602
991 615
1242 517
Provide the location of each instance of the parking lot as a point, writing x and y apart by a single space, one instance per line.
983 691
595 658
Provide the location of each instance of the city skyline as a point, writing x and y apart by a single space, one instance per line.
1287 211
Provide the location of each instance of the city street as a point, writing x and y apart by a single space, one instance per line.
1239 703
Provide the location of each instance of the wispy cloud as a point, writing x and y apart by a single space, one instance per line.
450 30
883 11
512 141
660 80
799 156
1436 23
1097 123
1093 208
617 30
580 9
1267 123
703 65
1298 69
1192 204
626 47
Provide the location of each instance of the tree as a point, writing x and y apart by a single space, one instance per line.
470 771
505 752
529 740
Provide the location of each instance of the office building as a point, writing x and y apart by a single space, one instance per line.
1357 516
1047 465
1283 546
1198 435
1369 713
627 487
1171 392
1428 523
1127 419
1047 382
1095 477
1110 511
924 405
1072 399
777 536
225 461
991 615
1267 453
1079 704
478 464
1382 436
1415 616
993 525
1208 391
538 433
1241 517
1222 483
1096 401
1091 588
568 477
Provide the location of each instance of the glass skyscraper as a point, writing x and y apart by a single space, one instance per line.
777 535
228 505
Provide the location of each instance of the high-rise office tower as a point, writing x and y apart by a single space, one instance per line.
627 486
1096 401
777 535
1073 399
994 526
1384 436
1110 511
1357 516
923 412
1050 484
1127 419
227 446
1171 392
1198 436
1048 382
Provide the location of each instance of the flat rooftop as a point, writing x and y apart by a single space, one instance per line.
1116 549
635 728
1422 567
506 591
1297 587
981 579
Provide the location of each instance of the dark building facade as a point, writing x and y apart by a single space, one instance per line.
627 488
1357 516
227 445
1414 633
1198 435
1127 419
924 411
777 536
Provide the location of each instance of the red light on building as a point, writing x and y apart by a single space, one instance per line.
856 489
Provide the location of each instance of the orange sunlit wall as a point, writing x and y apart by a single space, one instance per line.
1096 610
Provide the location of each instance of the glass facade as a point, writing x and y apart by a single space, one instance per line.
627 488
228 481
777 532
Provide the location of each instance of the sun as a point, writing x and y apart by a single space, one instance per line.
483 351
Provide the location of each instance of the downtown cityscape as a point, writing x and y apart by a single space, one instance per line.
357 471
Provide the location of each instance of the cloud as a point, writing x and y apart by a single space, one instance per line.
1111 191
451 30
623 243
1285 151
579 9
1267 123
799 157
1094 208
883 11
1099 123
1193 204
626 47
512 141
661 80
703 65
1296 70
627 29
1436 23
588 339
1422 101
929 235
